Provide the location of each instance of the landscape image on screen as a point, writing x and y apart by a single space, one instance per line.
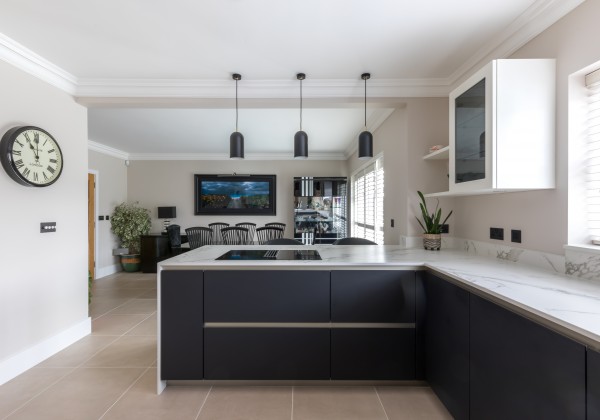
234 194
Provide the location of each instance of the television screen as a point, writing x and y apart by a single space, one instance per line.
235 195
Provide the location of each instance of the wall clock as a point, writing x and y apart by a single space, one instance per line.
31 156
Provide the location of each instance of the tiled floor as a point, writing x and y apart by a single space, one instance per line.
111 374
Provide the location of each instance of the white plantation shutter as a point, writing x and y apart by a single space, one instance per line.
592 163
367 202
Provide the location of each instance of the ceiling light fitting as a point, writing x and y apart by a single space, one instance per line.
236 140
365 139
301 138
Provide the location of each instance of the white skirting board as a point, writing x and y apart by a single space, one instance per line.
107 271
19 363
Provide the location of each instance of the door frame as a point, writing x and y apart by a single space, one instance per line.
96 201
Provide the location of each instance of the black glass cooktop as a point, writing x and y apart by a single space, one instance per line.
261 254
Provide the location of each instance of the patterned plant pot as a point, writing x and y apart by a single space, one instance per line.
131 263
432 242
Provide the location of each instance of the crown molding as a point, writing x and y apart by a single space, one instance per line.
107 150
24 59
536 19
225 156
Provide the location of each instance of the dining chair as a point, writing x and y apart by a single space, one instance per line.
353 241
268 233
217 237
199 236
174 235
276 224
251 230
235 235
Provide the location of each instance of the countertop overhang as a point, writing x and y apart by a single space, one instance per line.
568 305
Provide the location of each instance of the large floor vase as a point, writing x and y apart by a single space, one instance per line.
131 263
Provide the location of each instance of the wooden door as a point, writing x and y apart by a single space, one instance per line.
91 224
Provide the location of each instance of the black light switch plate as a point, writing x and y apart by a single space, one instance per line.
515 236
445 228
100 217
497 233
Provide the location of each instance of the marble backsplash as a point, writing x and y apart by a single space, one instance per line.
552 262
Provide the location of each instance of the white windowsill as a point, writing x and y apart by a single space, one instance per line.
587 248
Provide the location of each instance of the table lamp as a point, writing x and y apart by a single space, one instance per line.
167 213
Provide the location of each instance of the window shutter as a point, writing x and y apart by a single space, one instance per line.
367 193
593 153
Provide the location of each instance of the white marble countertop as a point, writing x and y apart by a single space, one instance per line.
569 305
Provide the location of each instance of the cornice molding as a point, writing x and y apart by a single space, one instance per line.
533 21
24 59
107 150
225 156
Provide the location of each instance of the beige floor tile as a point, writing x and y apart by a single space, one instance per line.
18 391
141 401
85 394
101 306
248 403
412 403
110 292
150 294
115 324
127 351
79 352
148 327
337 403
137 306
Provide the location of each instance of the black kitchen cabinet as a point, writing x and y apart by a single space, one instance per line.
267 353
372 354
522 370
593 385
181 337
373 316
266 296
446 329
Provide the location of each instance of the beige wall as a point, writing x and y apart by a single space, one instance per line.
111 190
43 280
541 215
171 183
404 138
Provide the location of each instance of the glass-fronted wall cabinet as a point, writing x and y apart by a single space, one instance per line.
320 209
502 131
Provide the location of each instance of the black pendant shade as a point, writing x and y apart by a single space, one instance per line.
301 138
236 145
365 139
236 140
365 145
301 145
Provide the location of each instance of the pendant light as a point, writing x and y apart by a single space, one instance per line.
365 139
301 138
236 140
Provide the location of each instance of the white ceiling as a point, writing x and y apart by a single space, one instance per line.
157 75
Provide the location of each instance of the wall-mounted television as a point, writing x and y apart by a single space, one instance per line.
234 194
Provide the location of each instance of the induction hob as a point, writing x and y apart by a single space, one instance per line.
273 254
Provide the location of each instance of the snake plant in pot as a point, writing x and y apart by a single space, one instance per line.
129 222
432 227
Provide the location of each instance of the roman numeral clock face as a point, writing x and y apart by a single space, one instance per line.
31 156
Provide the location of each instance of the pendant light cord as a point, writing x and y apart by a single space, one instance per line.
365 103
236 106
300 104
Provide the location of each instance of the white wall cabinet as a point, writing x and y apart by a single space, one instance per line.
502 129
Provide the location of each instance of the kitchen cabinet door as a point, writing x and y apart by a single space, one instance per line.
522 370
447 344
593 385
181 321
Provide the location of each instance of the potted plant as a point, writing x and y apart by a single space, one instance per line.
129 222
432 228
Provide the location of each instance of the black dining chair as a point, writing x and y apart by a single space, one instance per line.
276 224
283 241
268 233
174 235
251 230
353 241
199 236
235 235
216 229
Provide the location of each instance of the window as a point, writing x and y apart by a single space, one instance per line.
592 161
367 201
